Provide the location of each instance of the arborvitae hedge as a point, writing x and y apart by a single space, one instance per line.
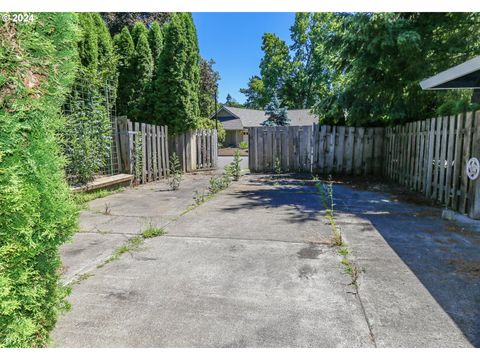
87 133
142 68
155 40
125 50
177 77
36 209
138 29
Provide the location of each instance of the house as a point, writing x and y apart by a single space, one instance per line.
236 121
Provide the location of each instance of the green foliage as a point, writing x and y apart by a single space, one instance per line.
208 87
116 21
142 67
139 29
207 123
230 101
152 231
87 131
234 169
125 50
155 40
275 64
255 93
364 69
175 177
277 115
37 212
219 183
176 81
243 145
138 159
277 166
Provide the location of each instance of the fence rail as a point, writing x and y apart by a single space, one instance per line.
430 156
319 149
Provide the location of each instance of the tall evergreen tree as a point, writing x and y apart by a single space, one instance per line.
208 87
138 29
142 70
176 80
125 49
277 115
155 40
254 93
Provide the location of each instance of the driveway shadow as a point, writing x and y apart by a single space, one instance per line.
443 256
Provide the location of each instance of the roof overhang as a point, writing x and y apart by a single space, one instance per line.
463 76
224 108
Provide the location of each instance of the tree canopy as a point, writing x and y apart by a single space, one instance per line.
365 68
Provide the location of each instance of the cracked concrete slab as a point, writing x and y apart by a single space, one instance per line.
202 292
129 213
253 268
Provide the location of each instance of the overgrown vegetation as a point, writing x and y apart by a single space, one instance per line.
87 131
364 69
243 145
234 169
37 211
325 190
153 231
176 175
82 198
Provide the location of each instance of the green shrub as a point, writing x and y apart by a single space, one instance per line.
243 145
206 123
37 212
87 131
234 169
175 177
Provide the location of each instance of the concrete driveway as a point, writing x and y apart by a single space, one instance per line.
255 267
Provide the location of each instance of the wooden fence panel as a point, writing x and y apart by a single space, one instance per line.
430 156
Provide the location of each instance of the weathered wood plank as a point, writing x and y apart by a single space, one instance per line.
465 156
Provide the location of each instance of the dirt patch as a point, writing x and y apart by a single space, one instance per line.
231 151
451 226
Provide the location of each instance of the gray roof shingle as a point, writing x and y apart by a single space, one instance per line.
254 118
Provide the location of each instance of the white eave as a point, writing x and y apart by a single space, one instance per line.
463 76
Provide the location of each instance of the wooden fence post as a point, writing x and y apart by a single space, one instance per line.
474 193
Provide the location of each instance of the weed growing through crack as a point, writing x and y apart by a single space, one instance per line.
176 175
277 166
325 191
107 210
152 231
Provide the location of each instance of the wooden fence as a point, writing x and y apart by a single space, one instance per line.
318 149
197 149
207 148
430 156
144 150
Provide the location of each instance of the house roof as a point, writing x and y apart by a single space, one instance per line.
463 76
242 117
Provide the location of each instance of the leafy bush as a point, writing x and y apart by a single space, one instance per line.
234 169
37 212
243 145
175 177
218 183
206 123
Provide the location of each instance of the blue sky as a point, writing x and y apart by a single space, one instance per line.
234 41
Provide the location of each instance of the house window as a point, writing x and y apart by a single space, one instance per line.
245 132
